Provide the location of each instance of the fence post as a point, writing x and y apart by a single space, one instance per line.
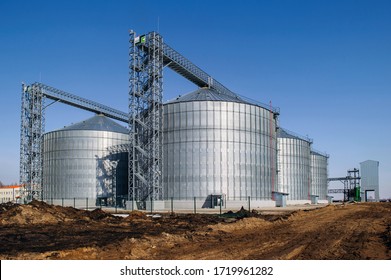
74 202
220 205
51 200
172 205
249 206
195 206
86 203
62 202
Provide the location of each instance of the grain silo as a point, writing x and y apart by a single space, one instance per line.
218 148
293 159
78 167
319 164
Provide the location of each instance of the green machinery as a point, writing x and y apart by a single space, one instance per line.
352 189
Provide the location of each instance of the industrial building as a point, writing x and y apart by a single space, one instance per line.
10 193
370 180
209 148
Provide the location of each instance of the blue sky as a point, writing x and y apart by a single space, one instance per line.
325 64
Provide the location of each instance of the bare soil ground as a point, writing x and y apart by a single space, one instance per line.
347 231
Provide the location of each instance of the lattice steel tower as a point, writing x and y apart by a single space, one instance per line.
31 131
145 116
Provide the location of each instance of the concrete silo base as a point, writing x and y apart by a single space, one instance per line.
200 203
131 205
156 205
298 202
206 204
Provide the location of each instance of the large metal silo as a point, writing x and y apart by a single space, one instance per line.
293 157
319 164
218 146
78 165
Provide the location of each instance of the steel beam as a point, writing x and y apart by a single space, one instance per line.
190 71
82 103
184 67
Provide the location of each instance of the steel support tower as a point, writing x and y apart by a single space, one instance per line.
354 188
145 117
351 185
31 131
33 127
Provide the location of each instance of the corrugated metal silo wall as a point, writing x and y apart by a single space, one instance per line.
294 168
70 163
319 175
217 147
370 177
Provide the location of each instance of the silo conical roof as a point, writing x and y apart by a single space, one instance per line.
207 94
282 133
97 123
313 152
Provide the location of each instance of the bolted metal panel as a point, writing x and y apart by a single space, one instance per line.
81 163
293 165
319 174
145 116
218 148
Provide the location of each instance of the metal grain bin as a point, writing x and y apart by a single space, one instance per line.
76 163
217 145
293 165
319 164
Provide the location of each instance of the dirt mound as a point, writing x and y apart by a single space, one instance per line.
242 225
351 231
4 207
99 214
134 215
33 213
39 212
242 213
